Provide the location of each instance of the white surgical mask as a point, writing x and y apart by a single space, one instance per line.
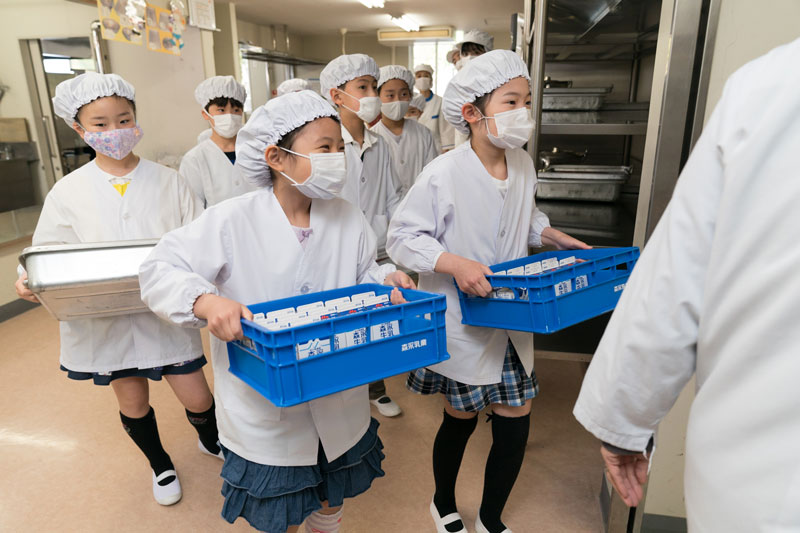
327 178
227 125
461 63
423 84
514 128
368 107
395 110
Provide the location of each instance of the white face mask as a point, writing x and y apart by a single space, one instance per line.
461 63
327 178
227 125
395 110
514 128
368 107
423 84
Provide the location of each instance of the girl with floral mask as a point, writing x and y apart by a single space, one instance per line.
410 142
292 236
118 197
209 165
472 207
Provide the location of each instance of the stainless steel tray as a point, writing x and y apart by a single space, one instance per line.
574 98
596 183
92 280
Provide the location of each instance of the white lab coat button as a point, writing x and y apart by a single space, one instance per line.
304 289
363 179
503 233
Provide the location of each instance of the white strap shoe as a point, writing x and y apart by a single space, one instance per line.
203 449
442 521
170 493
480 528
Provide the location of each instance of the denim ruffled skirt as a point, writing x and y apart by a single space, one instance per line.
272 498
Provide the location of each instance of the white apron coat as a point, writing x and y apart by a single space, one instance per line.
411 151
433 119
456 207
371 183
715 293
83 207
211 174
246 250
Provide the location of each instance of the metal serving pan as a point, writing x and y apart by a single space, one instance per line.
596 183
574 98
92 280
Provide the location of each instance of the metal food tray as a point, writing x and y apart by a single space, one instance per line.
574 98
596 183
92 280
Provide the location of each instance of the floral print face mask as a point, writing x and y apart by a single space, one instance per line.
117 143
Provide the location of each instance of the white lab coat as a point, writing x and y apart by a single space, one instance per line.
411 151
84 207
433 119
211 174
371 184
715 292
246 250
456 207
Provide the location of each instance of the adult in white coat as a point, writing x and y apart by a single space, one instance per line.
432 116
410 142
292 85
120 196
290 237
472 207
209 166
349 83
715 293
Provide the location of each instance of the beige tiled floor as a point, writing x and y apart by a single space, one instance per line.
67 466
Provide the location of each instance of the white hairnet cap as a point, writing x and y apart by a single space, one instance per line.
74 93
345 68
219 87
478 37
269 123
451 53
424 67
480 76
293 85
418 102
396 72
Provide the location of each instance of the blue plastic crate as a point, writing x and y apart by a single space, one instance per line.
541 303
267 360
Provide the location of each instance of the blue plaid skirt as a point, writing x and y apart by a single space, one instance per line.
515 386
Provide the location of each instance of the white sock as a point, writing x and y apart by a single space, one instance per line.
324 523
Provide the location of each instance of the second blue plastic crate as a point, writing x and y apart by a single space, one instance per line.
268 361
541 303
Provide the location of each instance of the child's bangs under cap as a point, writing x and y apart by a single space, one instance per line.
480 76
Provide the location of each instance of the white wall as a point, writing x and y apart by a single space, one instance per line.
746 31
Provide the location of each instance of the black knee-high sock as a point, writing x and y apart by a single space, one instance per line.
448 450
509 438
144 432
206 425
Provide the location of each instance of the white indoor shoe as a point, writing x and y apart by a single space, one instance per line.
207 452
170 493
386 406
480 528
442 521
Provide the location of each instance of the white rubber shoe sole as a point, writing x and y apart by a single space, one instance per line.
204 450
480 528
386 406
442 521
169 494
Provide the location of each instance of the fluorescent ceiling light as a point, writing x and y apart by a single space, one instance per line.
406 22
372 3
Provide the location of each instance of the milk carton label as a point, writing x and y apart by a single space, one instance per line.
385 330
333 304
563 287
313 347
281 312
350 338
258 316
516 271
500 273
567 261
310 307
549 264
413 345
581 282
503 293
248 343
618 288
359 298
531 269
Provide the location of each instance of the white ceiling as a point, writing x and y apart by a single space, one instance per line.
326 17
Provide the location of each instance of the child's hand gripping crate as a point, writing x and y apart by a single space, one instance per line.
343 346
547 292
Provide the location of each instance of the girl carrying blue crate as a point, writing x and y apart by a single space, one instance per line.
293 236
472 207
